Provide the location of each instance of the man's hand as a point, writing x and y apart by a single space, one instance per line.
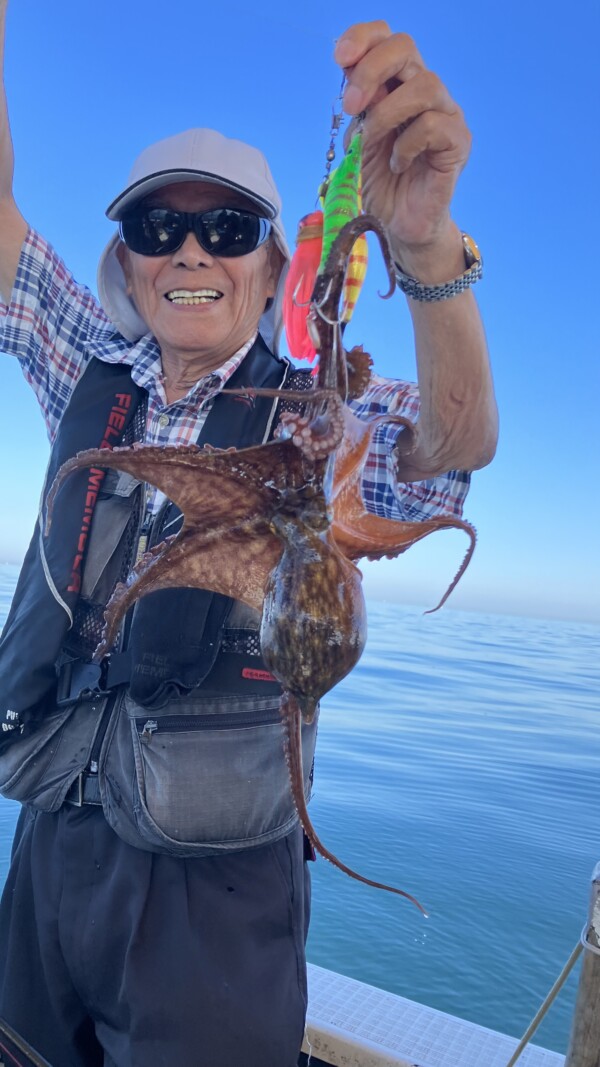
12 224
415 144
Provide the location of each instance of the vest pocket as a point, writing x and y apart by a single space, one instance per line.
40 767
205 776
104 558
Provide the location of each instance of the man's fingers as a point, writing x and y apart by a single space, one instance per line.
357 40
445 138
395 59
425 92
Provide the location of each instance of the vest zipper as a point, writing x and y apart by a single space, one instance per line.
149 728
174 723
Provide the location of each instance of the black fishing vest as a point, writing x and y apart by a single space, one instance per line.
99 413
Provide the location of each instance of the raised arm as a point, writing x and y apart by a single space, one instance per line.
12 224
415 145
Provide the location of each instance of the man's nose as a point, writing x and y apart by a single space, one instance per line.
191 254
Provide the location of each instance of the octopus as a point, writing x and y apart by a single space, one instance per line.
281 526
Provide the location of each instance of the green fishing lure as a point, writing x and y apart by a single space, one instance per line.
342 200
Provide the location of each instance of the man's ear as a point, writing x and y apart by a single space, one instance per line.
276 265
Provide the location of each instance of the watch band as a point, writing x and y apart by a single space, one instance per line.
420 291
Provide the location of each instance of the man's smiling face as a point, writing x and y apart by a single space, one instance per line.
200 308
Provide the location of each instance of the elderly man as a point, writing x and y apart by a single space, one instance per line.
157 903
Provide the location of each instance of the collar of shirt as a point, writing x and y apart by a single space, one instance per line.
144 358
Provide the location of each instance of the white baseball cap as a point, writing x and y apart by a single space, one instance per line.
195 155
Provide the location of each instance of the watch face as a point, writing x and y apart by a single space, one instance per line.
472 253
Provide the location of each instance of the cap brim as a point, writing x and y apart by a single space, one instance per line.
144 186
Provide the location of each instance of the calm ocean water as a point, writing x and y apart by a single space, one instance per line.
459 761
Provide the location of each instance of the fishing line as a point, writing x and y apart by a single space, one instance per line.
33 1058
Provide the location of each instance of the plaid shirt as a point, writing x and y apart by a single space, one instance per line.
54 326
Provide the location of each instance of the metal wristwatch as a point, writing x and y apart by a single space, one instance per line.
420 291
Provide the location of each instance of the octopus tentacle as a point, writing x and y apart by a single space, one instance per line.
316 435
330 285
292 720
457 524
141 580
126 459
359 365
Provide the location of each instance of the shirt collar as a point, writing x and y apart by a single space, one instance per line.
143 357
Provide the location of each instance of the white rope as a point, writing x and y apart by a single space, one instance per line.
556 988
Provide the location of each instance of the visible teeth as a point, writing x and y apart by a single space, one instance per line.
198 296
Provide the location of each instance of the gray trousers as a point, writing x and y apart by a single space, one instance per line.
111 956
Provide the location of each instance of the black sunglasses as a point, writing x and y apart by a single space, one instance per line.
222 231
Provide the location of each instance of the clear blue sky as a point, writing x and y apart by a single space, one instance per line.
91 85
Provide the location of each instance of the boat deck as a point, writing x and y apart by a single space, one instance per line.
351 1024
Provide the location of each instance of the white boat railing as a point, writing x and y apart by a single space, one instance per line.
351 1024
